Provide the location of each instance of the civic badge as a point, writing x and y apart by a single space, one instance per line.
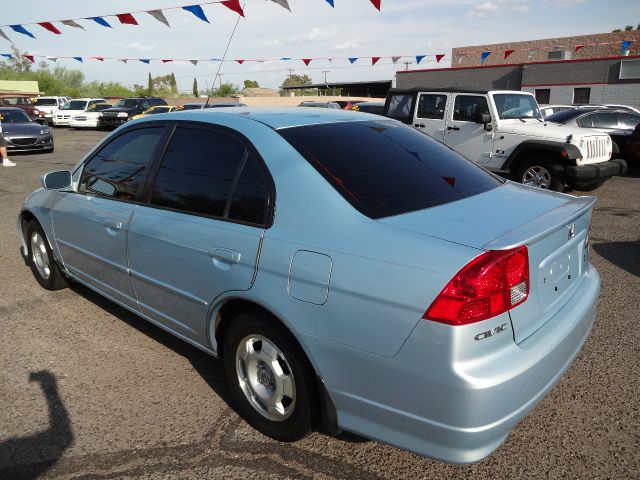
572 231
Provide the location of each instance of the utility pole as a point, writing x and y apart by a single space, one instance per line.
325 78
406 65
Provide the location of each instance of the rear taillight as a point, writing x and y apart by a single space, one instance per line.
489 285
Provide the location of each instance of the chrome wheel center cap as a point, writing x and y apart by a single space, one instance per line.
265 376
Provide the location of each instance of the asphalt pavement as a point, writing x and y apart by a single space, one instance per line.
88 390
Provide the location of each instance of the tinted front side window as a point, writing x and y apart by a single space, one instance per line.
467 108
432 106
384 168
198 171
118 169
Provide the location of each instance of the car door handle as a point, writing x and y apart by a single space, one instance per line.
453 128
113 224
225 255
419 125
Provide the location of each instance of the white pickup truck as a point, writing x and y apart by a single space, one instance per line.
47 106
504 132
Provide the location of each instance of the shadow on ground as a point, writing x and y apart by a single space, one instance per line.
32 456
625 255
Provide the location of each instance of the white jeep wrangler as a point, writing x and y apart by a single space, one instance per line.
504 132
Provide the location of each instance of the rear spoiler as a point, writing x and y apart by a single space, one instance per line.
544 224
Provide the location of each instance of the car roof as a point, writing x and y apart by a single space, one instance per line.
276 118
577 112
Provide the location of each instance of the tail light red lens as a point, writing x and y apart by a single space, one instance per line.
489 285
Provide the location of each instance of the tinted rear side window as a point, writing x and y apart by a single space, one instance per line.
384 168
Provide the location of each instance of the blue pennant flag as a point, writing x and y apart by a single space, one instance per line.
330 2
625 46
285 58
8 55
419 58
22 30
484 56
353 59
197 11
100 21
144 60
78 59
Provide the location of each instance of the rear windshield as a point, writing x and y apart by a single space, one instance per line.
385 168
562 117
400 107
46 102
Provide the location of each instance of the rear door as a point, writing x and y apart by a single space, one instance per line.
429 114
463 132
201 232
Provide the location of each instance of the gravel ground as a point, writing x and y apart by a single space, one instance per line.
89 390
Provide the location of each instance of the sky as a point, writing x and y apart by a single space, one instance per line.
313 29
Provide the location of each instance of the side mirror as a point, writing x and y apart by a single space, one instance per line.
483 118
59 180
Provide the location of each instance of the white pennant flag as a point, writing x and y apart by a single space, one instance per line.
195 62
53 59
4 36
72 23
123 60
395 59
158 15
282 3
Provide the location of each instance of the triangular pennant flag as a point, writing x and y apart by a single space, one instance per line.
197 11
7 55
485 54
158 15
71 23
123 60
285 58
100 59
240 61
624 48
439 57
395 59
507 53
50 26
282 3
100 21
330 2
22 30
234 5
376 3
419 58
145 60
306 61
78 59
195 62
167 60
126 19
353 60
2 34
374 60
30 58
578 48
53 59
330 60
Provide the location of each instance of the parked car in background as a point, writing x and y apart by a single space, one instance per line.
125 109
320 104
547 110
623 107
22 102
22 133
89 118
63 115
400 292
156 110
197 106
630 151
347 104
46 106
376 108
604 119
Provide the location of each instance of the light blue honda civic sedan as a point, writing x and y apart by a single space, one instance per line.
351 273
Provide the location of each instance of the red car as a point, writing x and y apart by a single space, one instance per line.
23 103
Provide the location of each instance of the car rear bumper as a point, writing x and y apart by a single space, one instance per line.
434 400
585 173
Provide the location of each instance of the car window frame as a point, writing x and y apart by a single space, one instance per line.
248 145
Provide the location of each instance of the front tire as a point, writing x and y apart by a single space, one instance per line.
41 260
540 173
269 377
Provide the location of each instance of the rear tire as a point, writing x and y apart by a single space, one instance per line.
540 173
269 376
41 260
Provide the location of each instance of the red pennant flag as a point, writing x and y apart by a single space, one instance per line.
30 58
439 57
234 5
240 61
101 59
374 60
376 3
579 47
307 61
50 26
507 53
126 18
166 60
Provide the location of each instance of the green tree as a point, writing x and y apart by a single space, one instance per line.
17 63
224 90
297 81
628 28
150 85
617 30
195 87
174 85
251 84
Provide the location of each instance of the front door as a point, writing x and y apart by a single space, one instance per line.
90 225
201 232
429 116
463 131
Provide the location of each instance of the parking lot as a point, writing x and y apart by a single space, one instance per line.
89 390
